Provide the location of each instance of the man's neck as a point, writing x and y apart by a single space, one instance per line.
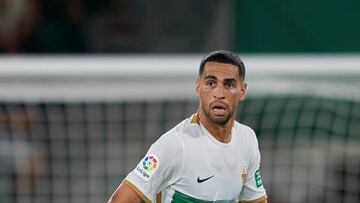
220 132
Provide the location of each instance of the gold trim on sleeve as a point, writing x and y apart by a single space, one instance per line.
258 200
158 198
141 194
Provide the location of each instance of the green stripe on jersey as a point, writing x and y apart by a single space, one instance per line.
179 197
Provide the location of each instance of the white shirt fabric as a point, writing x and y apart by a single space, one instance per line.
187 164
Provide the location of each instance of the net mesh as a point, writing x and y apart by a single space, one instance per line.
80 151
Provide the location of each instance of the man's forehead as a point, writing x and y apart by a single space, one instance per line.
221 70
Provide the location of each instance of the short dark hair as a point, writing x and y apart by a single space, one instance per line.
223 56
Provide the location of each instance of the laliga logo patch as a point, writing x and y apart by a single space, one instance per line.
147 166
150 163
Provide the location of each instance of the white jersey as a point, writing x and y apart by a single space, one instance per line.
187 164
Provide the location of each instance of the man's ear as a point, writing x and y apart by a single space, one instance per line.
197 86
243 92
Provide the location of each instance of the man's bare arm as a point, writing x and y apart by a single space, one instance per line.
125 194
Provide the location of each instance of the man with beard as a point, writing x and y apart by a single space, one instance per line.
208 157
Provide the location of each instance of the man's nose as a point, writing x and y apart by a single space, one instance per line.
219 92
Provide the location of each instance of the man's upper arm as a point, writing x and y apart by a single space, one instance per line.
153 173
125 193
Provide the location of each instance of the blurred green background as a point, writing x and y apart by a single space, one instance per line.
297 26
158 26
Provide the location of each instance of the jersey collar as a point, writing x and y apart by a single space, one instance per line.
195 118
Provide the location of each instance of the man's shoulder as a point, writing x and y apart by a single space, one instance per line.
246 136
245 133
185 128
242 128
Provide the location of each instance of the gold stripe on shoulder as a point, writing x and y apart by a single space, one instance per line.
158 198
141 194
195 118
258 200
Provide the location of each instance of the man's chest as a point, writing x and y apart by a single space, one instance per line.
213 174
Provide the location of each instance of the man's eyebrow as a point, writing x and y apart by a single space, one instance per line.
230 80
208 77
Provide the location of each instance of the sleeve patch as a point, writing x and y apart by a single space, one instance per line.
147 166
258 180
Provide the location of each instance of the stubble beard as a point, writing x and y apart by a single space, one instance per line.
219 120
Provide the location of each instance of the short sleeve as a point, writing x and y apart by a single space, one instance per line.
160 167
253 188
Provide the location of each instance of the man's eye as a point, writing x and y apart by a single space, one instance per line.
230 84
210 83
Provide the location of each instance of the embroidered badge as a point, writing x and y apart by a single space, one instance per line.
244 174
147 166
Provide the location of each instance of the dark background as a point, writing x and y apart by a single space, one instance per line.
158 26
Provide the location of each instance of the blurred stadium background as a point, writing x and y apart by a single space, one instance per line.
87 86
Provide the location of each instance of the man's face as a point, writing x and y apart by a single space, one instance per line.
219 89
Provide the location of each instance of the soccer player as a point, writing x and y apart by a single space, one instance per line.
208 157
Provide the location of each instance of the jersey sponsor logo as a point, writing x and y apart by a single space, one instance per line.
258 180
147 166
205 179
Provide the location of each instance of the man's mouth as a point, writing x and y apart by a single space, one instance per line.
219 109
